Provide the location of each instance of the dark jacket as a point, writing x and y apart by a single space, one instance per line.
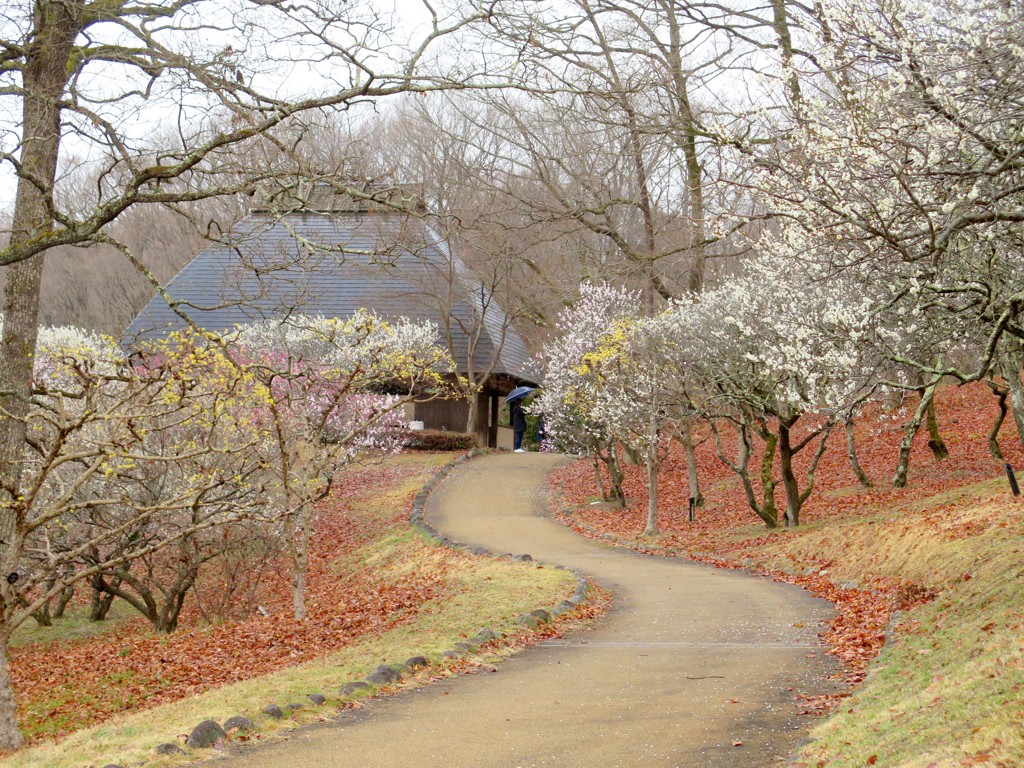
518 416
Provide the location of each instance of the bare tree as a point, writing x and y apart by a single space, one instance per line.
90 78
124 462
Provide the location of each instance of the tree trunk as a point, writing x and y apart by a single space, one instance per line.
993 434
812 470
851 452
62 601
141 598
101 603
9 735
764 509
299 593
44 78
686 138
300 560
686 438
471 414
600 480
167 622
781 23
615 476
793 500
1011 373
643 187
651 529
935 441
477 419
43 616
769 512
899 480
633 456
102 598
643 184
616 479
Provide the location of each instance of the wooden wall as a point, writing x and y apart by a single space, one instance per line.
443 414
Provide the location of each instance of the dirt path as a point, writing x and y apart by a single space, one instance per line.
690 661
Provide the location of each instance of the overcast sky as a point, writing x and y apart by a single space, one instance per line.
409 18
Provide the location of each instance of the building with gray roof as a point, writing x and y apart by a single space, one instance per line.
318 251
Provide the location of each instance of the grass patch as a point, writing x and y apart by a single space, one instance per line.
479 592
73 625
930 543
948 688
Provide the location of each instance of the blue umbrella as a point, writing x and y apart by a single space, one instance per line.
518 394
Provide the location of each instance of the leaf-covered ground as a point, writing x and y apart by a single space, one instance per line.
66 686
877 554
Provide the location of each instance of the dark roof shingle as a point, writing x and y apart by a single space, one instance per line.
332 265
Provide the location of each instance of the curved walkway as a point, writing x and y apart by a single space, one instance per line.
694 666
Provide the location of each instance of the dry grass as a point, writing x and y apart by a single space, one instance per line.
948 690
73 625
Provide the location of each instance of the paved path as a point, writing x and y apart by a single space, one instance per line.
690 660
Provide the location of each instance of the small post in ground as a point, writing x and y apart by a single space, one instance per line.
1013 480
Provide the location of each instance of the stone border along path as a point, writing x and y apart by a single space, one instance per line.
693 666
209 734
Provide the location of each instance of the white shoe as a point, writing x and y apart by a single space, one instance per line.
519 450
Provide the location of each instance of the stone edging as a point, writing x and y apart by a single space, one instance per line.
209 733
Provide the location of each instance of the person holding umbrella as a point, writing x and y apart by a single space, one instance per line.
517 415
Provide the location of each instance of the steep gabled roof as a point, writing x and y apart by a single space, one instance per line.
333 264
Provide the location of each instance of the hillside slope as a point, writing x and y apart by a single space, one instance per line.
933 572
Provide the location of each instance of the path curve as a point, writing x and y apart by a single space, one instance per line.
690 661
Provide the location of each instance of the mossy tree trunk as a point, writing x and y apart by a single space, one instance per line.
899 479
935 441
692 472
45 74
1001 393
851 453
764 507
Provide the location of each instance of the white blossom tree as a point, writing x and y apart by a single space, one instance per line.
904 168
606 388
573 388
763 352
639 401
